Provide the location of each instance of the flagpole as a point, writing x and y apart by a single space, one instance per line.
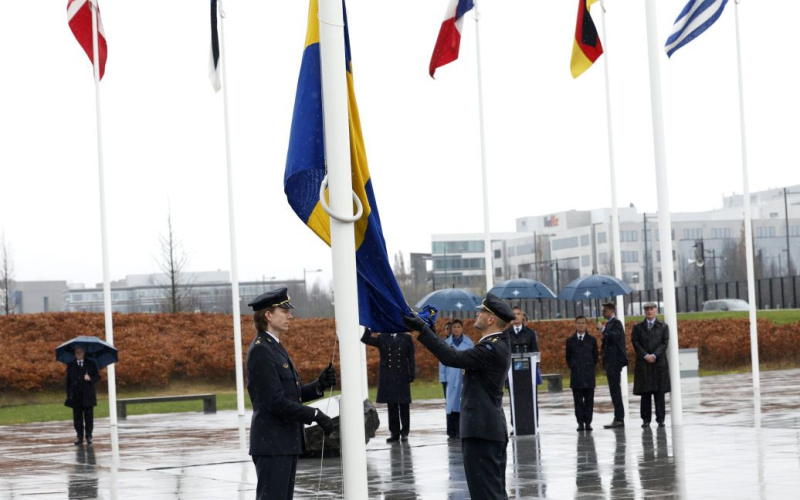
748 236
237 315
487 235
336 128
664 215
614 203
109 325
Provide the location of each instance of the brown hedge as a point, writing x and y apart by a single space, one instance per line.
158 348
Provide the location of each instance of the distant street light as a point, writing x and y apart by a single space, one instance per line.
306 272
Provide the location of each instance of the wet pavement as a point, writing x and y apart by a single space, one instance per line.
717 453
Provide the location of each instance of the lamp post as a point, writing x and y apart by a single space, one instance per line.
306 272
786 194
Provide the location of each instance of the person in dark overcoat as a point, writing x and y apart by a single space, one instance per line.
615 358
82 375
277 395
581 359
484 433
397 371
651 373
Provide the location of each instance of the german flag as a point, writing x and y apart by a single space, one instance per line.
586 46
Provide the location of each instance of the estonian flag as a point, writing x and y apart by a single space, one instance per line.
586 47
694 19
213 57
381 304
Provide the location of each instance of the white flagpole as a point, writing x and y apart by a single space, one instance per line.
664 216
487 235
748 235
112 380
337 153
614 205
237 315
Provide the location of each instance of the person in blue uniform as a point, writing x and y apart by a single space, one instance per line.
277 395
394 379
615 358
452 378
484 433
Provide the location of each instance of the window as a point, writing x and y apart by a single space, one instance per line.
773 215
457 263
474 246
765 232
586 261
720 232
565 243
77 297
602 258
511 252
692 233
601 238
498 272
525 249
584 240
497 254
629 256
794 230
631 235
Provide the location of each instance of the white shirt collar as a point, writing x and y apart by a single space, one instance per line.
274 337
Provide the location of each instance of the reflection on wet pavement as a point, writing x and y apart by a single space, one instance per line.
717 454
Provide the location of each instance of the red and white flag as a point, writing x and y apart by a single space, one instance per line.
79 16
449 40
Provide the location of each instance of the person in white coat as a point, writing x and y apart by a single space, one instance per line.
451 379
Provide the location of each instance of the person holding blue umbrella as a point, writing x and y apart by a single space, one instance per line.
82 376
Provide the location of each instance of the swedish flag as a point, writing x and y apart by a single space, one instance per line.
380 302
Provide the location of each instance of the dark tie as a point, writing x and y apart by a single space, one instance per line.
649 326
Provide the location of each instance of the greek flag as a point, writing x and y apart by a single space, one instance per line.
696 17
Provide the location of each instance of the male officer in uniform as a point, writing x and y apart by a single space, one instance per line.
484 435
277 395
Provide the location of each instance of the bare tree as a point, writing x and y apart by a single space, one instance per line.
320 301
176 288
6 276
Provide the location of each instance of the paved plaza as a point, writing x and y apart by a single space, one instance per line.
718 453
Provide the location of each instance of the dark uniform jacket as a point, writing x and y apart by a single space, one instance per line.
485 368
397 365
615 354
582 359
80 393
651 377
277 395
524 341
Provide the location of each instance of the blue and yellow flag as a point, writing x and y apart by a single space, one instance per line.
381 304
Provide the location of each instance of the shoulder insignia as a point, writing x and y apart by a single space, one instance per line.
286 365
495 340
269 340
488 346
258 341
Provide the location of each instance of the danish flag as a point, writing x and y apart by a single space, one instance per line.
79 16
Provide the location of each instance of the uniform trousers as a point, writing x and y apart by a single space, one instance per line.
614 375
485 468
647 409
83 419
454 424
399 414
276 475
584 404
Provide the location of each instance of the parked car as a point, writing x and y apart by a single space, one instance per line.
723 305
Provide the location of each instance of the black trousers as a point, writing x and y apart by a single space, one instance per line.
485 468
275 476
454 424
399 413
647 409
83 419
584 404
614 378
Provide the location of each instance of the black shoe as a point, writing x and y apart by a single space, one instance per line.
645 425
589 427
403 438
616 424
661 424
581 428
78 441
393 439
88 439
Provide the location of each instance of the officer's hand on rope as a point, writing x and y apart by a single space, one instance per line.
327 378
325 423
414 323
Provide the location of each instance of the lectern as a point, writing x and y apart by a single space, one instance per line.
522 386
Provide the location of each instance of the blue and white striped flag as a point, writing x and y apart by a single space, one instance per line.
696 17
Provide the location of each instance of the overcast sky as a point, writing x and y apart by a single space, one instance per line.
546 133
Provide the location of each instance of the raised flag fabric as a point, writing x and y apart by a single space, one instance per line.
79 16
694 19
449 41
213 56
381 304
586 46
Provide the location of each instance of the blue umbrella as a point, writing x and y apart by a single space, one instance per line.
102 353
522 289
450 300
595 286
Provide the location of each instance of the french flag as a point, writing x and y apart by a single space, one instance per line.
449 41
